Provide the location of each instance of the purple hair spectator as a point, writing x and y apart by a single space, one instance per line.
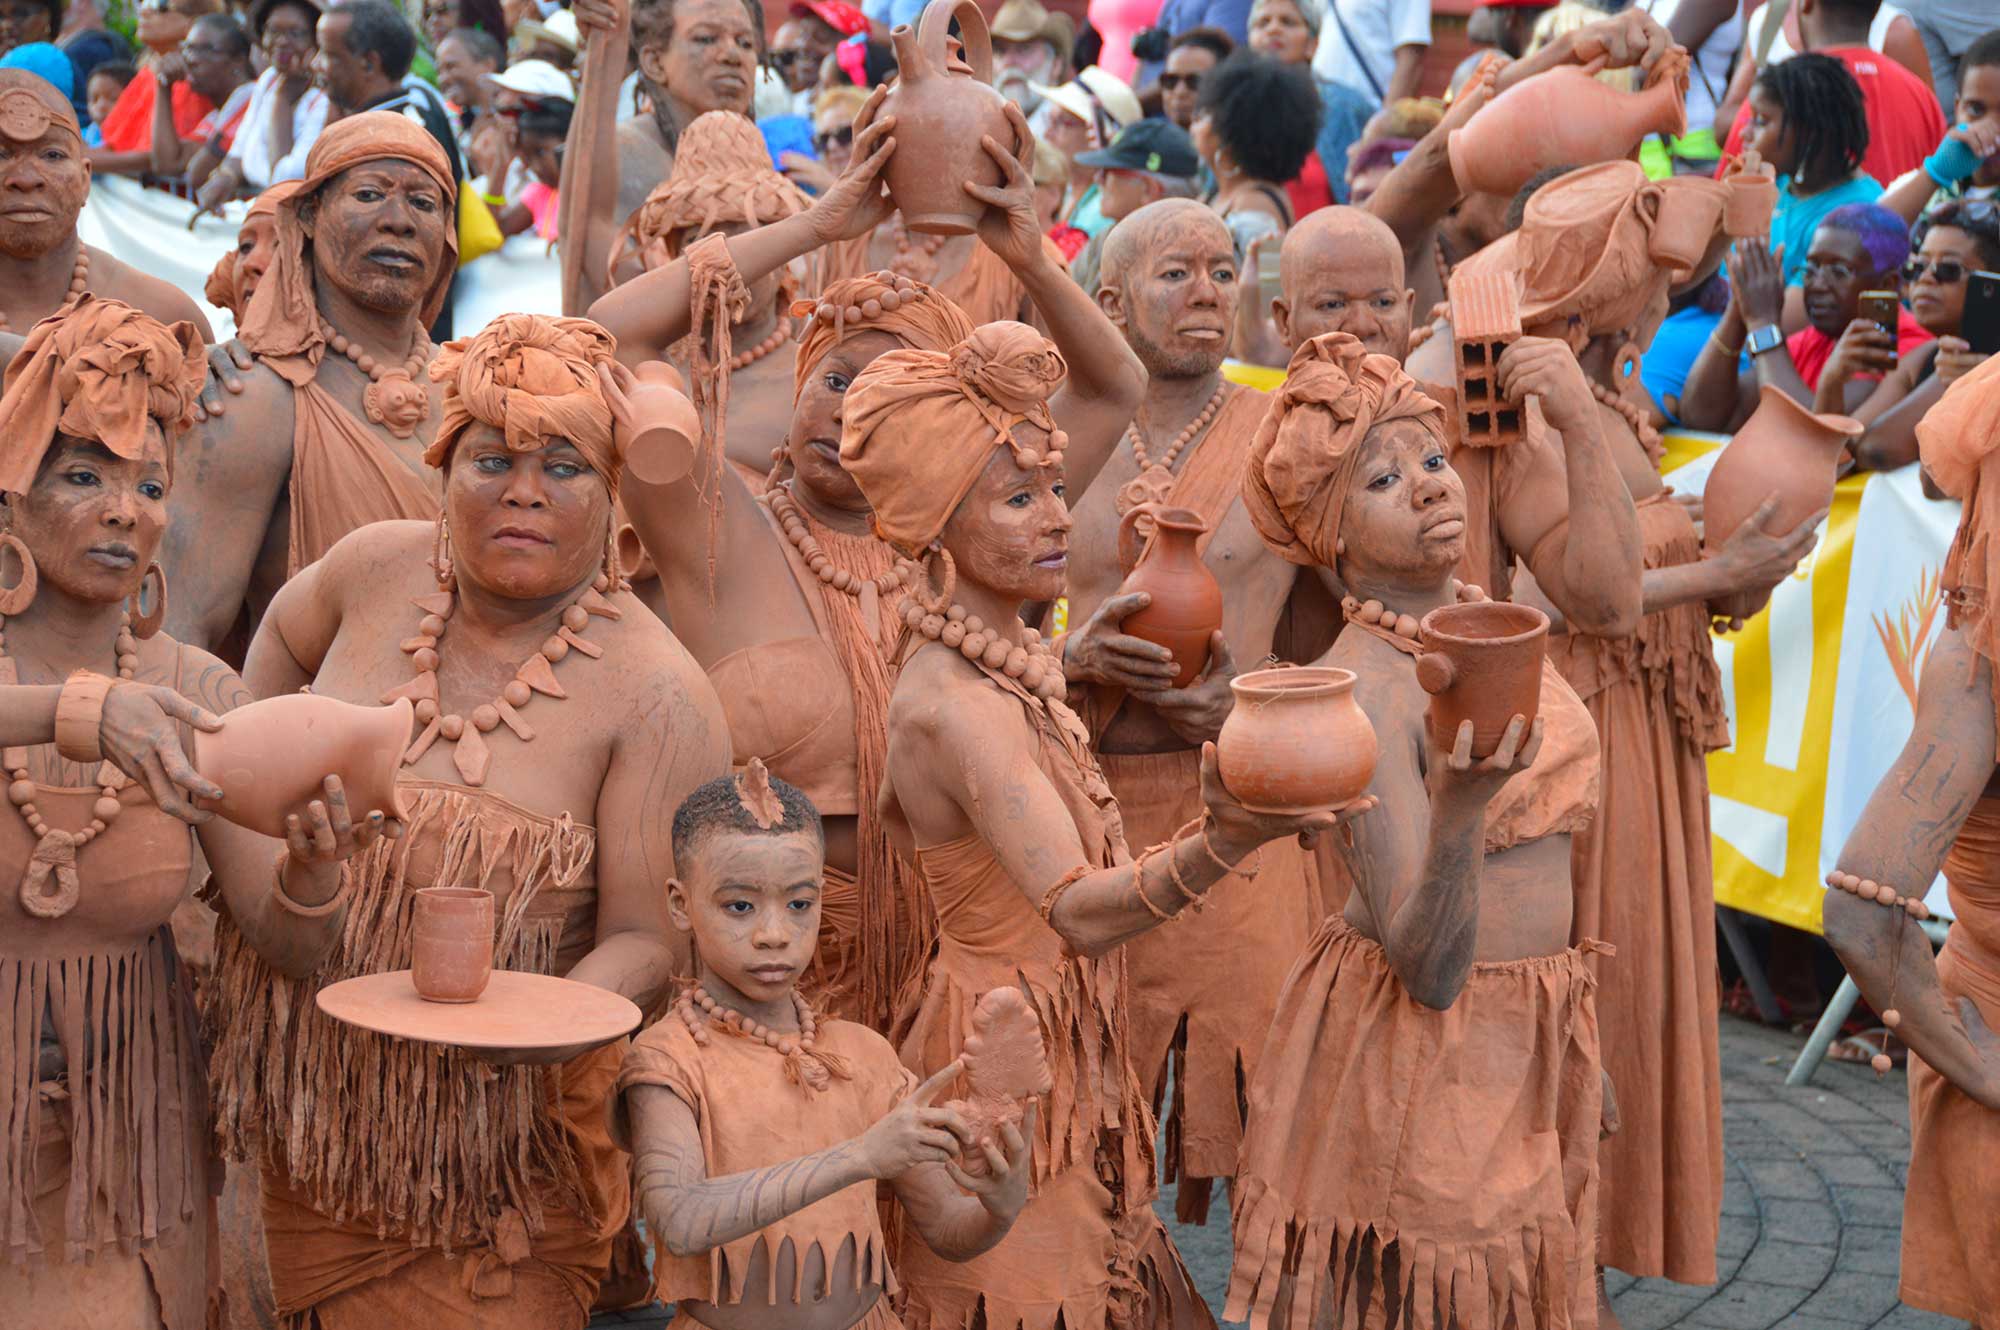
1881 232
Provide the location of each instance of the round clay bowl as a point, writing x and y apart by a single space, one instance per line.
451 943
1482 662
1296 741
270 758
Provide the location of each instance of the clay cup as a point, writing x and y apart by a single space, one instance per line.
1482 662
451 943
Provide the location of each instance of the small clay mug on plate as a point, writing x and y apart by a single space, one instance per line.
451 943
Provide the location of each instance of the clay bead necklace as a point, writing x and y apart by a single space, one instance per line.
803 1061
1029 661
1393 627
56 849
1911 907
536 675
79 279
745 359
916 257
1642 428
792 521
1181 440
389 385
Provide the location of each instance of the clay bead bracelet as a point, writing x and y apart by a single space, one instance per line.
1236 870
80 716
1139 884
303 911
1197 901
1905 906
1054 894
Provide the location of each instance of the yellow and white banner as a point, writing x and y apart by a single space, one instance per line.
1821 687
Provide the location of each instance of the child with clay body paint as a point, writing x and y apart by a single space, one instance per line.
758 1130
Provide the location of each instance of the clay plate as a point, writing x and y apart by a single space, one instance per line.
516 1011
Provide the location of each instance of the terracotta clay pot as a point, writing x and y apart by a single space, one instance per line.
1564 117
943 101
1753 197
1187 600
451 943
1687 217
1482 662
655 425
270 757
1297 741
1782 449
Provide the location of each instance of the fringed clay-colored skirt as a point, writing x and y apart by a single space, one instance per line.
1426 1169
879 1317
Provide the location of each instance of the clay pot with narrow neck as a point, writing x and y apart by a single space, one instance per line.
1563 117
270 758
1296 740
943 101
451 943
1482 662
654 425
1753 197
1783 449
1186 609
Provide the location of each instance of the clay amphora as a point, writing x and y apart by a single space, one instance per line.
1006 1063
1782 449
270 757
943 101
1482 662
1753 196
1187 600
1564 117
654 426
1296 741
1686 218
451 943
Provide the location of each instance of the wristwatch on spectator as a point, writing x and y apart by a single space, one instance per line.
1767 338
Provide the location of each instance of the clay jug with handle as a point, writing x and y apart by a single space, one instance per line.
654 424
269 758
1564 117
1187 600
1296 741
943 101
1482 662
1783 449
1753 196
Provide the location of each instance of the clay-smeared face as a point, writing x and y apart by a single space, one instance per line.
1278 30
1838 270
1010 533
752 903
44 181
1344 273
256 245
378 233
1181 81
524 525
709 63
93 519
813 442
1940 305
1404 518
1179 294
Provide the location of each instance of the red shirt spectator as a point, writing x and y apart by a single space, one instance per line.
1905 121
129 127
1810 348
1309 190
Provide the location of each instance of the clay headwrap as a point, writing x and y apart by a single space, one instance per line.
224 289
919 426
283 320
1306 448
722 173
920 317
1959 442
30 106
97 369
533 377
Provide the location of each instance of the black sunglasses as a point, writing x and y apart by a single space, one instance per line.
1169 82
843 136
783 59
1949 272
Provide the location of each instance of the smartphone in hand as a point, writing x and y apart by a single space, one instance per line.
1884 309
1980 325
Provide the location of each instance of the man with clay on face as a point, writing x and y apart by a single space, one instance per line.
1201 998
329 432
44 181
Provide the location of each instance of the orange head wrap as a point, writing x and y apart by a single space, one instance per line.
534 377
920 317
225 286
97 369
1306 448
722 173
1959 441
919 426
283 320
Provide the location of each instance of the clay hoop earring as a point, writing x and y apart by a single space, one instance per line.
1631 353
441 556
145 622
920 593
15 599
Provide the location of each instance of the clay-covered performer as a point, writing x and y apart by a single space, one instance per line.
995 792
556 723
1425 1117
789 599
760 1126
331 427
1938 808
46 180
105 1200
236 275
1643 875
1201 997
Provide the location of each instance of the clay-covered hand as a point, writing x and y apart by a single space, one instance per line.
1956 358
1863 349
1238 831
1003 1187
599 16
323 839
1545 368
1757 281
1632 38
1197 711
140 734
1099 653
857 201
1756 559
917 1132
226 364
1608 1119
806 172
1010 226
1459 775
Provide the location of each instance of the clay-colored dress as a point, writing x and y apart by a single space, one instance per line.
1087 1247
105 1213
405 1184
1643 883
753 1115
816 709
1441 1162
1951 1238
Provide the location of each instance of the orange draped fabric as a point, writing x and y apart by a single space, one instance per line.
344 477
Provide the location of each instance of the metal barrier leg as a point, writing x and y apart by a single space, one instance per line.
1830 1021
1751 966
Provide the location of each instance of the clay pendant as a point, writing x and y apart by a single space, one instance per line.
396 403
54 858
1153 485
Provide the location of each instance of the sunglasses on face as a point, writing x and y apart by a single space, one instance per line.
842 137
1948 272
785 59
1171 82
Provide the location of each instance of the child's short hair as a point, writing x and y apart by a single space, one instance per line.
718 806
120 70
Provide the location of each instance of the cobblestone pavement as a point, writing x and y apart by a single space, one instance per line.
1811 1215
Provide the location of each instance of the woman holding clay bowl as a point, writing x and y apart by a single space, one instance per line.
993 789
554 724
1445 1004
106 1205
788 599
